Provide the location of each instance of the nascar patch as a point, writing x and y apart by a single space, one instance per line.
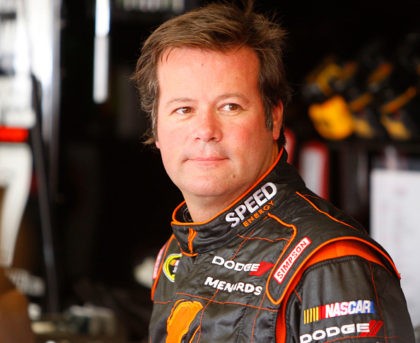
338 309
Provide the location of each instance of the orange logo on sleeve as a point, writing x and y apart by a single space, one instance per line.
179 322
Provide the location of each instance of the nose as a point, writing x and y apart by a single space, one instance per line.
208 126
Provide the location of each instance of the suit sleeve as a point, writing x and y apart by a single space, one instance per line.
349 300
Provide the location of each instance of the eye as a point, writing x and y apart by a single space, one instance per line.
183 110
231 108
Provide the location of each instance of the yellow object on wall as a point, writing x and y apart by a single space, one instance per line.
332 118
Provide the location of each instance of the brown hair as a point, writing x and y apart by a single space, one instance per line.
217 27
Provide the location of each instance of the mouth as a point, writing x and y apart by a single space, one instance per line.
206 160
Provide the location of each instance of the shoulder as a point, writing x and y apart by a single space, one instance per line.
311 246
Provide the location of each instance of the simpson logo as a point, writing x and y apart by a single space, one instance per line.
287 264
338 309
370 329
255 204
170 266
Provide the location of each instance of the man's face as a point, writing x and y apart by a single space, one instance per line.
211 128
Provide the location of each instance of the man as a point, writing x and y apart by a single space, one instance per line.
255 256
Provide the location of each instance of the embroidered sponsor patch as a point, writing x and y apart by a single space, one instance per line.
181 320
374 327
233 265
263 268
338 309
254 206
326 334
239 287
170 266
254 269
290 260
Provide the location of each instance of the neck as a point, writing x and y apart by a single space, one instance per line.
203 209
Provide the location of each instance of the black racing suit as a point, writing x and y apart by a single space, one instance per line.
281 265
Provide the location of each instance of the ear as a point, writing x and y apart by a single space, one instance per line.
277 114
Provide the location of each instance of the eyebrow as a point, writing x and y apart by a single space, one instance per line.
233 95
220 97
175 100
